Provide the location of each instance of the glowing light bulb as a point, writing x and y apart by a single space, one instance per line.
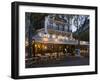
56 40
45 39
53 36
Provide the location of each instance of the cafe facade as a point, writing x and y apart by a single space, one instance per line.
56 43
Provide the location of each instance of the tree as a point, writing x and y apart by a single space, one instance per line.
76 23
83 30
33 21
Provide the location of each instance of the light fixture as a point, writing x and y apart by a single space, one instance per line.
40 34
53 36
66 38
56 40
45 39
35 45
59 37
26 43
45 47
63 37
48 35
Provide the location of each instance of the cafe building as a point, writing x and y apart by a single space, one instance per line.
55 41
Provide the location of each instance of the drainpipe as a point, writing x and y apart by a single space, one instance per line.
46 24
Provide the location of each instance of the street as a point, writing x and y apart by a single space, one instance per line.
67 61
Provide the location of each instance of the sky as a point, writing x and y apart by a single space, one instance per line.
73 28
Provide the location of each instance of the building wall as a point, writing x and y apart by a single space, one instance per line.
59 22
